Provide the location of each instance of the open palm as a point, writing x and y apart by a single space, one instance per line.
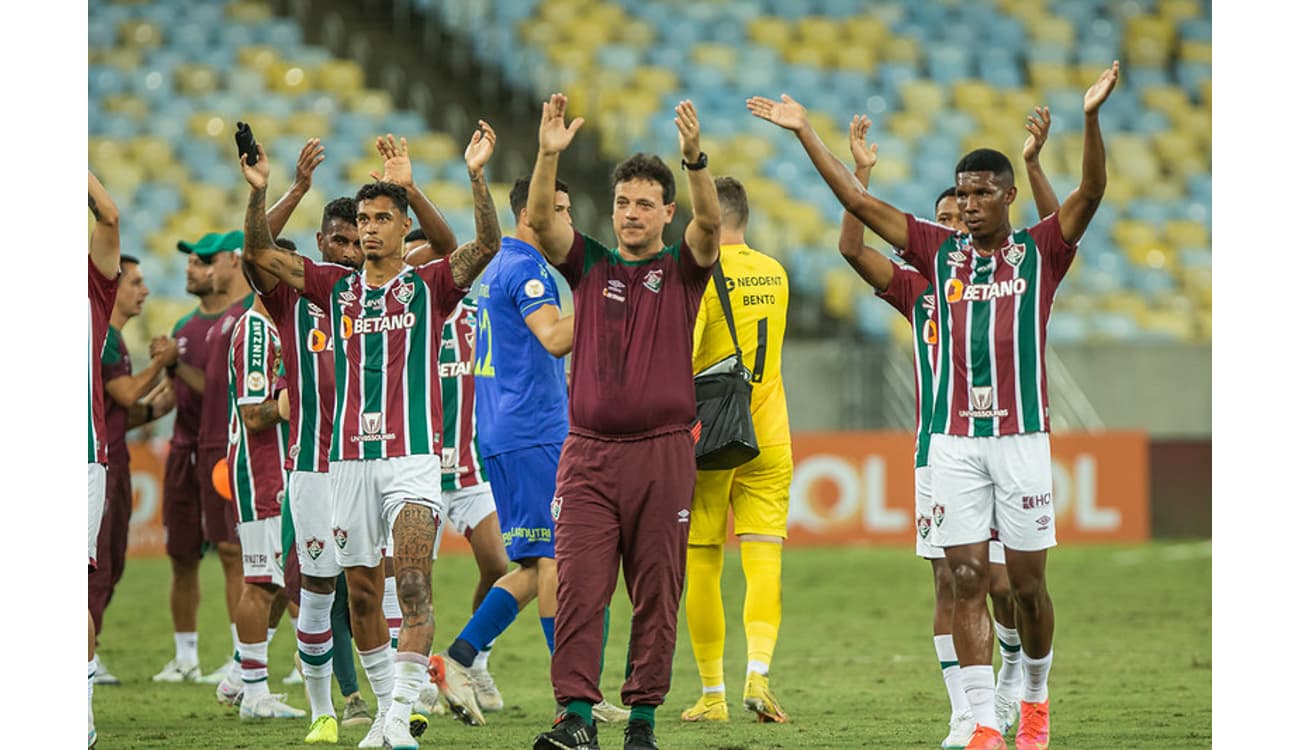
1097 92
787 113
864 157
480 147
553 136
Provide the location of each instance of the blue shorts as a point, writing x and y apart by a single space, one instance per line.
523 483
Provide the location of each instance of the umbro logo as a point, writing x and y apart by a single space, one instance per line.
683 516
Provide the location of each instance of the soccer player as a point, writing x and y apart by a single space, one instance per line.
185 357
990 456
758 491
102 272
627 469
913 297
132 400
255 461
385 452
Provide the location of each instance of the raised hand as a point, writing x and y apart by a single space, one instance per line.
787 113
864 157
1097 92
553 136
312 154
258 174
688 130
397 162
1039 122
480 148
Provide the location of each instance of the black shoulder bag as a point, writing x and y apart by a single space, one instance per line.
722 394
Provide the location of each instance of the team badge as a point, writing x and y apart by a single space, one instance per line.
654 280
981 397
923 527
1014 253
370 422
315 547
534 289
556 502
180 344
279 560
938 516
340 537
293 452
404 292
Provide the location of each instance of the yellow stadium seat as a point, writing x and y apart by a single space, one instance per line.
902 49
923 96
538 32
820 31
139 34
151 150
1170 100
769 31
1179 10
1148 40
359 171
573 57
753 147
1053 30
249 11
721 56
434 147
307 124
126 104
806 54
655 78
211 125
1194 51
257 56
1167 189
1130 234
196 79
1207 91
588 32
864 30
1187 234
373 102
838 302
203 199
1179 325
340 77
973 95
891 170
1050 75
105 149
637 33
848 56
909 125
265 126
289 78
562 13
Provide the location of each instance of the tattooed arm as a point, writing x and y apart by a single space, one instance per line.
263 416
268 262
105 241
469 260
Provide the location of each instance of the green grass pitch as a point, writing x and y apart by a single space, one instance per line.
854 665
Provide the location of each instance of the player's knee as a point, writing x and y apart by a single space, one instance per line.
970 580
1000 585
412 590
317 585
492 569
229 554
1029 592
185 567
944 587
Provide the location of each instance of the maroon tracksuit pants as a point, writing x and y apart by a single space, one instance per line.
110 553
628 498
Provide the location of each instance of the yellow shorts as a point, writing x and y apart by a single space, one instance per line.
758 493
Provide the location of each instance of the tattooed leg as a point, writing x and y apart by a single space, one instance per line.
414 532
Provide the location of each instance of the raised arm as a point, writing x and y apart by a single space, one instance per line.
469 260
873 267
105 239
884 219
1040 121
397 169
312 154
555 237
268 262
1082 202
701 234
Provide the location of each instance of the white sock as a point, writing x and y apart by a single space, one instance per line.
316 650
977 680
411 671
378 666
293 621
253 662
481 658
234 642
947 654
90 691
1036 677
1009 646
392 611
759 667
187 648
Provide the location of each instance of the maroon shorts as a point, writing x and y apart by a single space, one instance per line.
219 516
110 554
182 513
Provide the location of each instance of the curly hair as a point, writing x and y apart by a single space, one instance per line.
391 190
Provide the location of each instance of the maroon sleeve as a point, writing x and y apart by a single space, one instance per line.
102 290
437 274
279 303
923 241
319 279
692 271
904 289
1057 254
575 263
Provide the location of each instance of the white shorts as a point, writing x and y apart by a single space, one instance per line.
925 546
466 508
96 475
367 497
982 483
311 505
260 543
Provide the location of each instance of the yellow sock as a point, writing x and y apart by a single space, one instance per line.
762 564
704 616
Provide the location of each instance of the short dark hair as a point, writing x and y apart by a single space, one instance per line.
987 160
124 258
642 166
287 244
415 235
391 190
949 193
344 209
735 203
519 193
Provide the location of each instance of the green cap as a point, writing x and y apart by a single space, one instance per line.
212 243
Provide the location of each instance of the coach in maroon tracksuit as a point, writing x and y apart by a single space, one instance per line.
627 469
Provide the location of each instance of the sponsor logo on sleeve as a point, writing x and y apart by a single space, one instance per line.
256 381
534 289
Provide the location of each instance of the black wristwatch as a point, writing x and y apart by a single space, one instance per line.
701 163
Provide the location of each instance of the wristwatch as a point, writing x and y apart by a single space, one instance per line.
701 163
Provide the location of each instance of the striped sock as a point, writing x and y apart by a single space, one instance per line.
947 654
1009 646
316 650
392 611
378 666
1036 671
253 662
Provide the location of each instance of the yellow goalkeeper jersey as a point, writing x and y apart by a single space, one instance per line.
759 291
